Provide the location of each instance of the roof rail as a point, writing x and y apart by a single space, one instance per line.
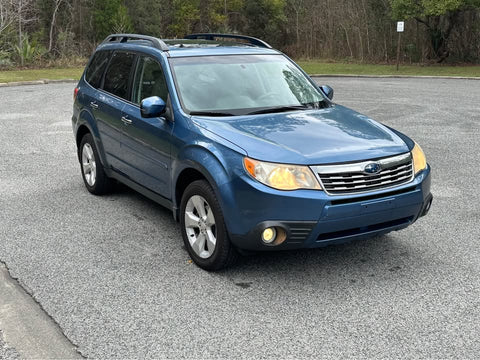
123 38
212 36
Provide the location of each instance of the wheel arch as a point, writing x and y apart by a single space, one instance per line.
197 163
86 125
185 178
81 132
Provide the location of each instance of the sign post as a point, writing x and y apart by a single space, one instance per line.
400 29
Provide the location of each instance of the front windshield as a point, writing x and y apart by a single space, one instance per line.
242 84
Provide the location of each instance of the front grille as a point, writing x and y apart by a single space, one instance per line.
352 178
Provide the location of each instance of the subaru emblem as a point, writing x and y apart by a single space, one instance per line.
372 168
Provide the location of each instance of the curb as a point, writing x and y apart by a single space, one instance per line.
396 76
37 82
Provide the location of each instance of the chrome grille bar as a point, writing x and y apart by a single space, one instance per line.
351 178
406 166
381 179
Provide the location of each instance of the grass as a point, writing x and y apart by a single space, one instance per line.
310 66
40 74
319 67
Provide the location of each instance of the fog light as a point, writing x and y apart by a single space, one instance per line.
269 235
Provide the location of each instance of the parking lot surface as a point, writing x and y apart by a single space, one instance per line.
113 273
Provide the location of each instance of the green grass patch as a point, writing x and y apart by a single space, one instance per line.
319 67
40 74
310 66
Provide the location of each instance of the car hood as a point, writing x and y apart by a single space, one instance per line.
331 135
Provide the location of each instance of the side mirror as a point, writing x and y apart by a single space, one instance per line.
327 90
152 106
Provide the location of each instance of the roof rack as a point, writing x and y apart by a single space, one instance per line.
212 36
123 38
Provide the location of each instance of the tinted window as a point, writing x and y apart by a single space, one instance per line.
149 80
96 68
118 72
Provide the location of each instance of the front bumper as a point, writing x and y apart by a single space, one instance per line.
314 219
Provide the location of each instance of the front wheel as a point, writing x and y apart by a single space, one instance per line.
203 228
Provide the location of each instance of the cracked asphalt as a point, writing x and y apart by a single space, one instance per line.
111 271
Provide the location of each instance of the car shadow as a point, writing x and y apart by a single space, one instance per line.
381 256
363 257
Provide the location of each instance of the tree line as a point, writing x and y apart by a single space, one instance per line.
41 31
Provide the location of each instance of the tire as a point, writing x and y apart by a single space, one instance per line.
201 217
93 174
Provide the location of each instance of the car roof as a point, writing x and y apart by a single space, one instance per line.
177 51
221 51
180 48
187 47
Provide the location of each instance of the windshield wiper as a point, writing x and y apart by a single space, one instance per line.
276 109
210 113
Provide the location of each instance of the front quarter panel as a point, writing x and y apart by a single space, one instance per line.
214 157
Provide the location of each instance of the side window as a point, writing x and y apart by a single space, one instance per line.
96 68
149 80
118 73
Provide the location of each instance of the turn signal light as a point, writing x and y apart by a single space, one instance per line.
419 159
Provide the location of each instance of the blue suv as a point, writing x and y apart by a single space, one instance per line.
247 150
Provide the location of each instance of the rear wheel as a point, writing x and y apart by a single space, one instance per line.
203 228
94 177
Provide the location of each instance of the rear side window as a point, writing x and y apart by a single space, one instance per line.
118 73
96 68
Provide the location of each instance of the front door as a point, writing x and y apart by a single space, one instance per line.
146 144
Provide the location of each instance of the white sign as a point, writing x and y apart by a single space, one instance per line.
400 26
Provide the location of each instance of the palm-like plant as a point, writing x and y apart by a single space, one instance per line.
26 53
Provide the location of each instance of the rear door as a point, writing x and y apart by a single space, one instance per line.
90 100
110 103
146 147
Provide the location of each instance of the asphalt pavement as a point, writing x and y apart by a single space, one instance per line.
6 352
111 271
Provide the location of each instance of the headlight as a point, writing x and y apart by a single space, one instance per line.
419 159
280 176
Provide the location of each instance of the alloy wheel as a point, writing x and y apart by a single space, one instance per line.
200 226
89 165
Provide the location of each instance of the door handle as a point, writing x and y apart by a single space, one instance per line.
126 120
94 105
